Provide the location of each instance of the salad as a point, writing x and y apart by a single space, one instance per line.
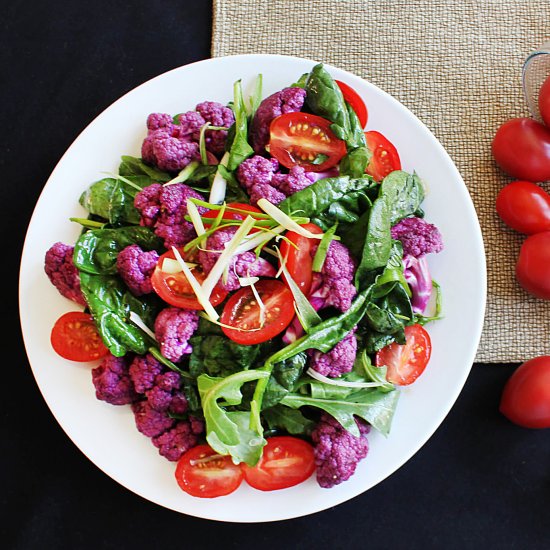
254 285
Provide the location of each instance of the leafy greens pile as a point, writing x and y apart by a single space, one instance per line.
245 393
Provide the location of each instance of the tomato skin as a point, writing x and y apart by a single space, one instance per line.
228 215
525 400
521 147
174 288
293 142
356 102
299 259
406 362
385 158
207 478
544 101
533 265
242 311
74 336
524 206
286 461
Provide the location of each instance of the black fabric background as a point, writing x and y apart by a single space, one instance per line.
479 482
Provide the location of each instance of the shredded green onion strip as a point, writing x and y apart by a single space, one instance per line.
322 249
184 174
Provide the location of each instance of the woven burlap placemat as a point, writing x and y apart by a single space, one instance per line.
457 66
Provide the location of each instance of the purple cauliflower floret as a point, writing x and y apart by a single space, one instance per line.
189 125
242 265
135 267
61 271
143 371
334 285
288 100
338 360
417 236
173 328
217 115
155 121
162 394
164 208
149 421
174 154
337 451
112 381
173 443
417 275
262 179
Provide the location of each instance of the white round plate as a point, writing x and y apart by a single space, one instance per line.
107 434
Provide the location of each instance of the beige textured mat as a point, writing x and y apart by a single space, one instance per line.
457 66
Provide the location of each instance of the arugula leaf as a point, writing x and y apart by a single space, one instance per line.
229 432
375 406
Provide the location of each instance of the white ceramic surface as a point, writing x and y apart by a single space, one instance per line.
106 434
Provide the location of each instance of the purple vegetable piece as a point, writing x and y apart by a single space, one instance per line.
417 236
338 360
162 395
143 371
218 115
243 265
334 285
262 179
135 267
61 271
156 121
296 180
288 100
173 443
164 208
112 381
417 275
189 126
173 328
149 421
337 452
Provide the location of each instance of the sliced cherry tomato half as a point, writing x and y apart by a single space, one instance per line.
242 311
385 158
406 362
303 139
75 337
201 472
354 99
174 288
229 215
298 256
286 461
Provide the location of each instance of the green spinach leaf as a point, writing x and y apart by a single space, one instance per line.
96 250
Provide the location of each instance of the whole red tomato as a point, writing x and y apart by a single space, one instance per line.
533 265
524 206
544 101
526 396
521 147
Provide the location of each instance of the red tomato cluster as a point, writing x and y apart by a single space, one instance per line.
521 147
